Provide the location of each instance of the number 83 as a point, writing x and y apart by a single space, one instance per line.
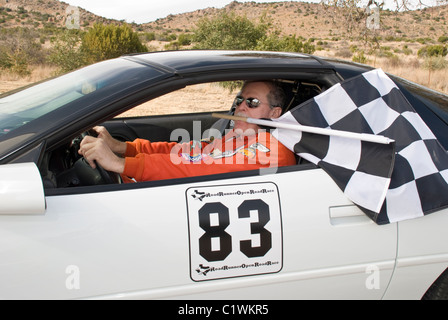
225 239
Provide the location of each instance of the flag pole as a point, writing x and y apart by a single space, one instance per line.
297 127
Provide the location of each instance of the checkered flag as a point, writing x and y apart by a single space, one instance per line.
390 182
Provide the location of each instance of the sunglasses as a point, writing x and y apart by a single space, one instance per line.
251 102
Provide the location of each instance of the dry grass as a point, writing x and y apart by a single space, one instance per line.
10 81
435 79
409 68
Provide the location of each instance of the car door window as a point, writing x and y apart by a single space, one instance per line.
204 97
189 109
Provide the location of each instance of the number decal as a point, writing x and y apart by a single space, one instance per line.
256 228
205 242
225 241
234 230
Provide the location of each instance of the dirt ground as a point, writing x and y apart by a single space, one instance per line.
197 98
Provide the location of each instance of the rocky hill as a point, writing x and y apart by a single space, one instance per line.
41 14
289 17
315 20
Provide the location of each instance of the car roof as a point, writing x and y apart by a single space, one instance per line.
194 60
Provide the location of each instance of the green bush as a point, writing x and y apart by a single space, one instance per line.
184 39
66 54
443 39
73 49
432 51
5 60
148 36
110 41
359 57
228 31
19 49
232 32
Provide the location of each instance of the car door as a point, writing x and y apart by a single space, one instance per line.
266 235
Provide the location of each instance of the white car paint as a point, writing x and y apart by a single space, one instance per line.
134 244
422 255
21 189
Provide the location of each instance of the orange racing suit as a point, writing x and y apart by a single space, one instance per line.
145 160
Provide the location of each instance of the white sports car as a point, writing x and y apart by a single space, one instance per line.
68 231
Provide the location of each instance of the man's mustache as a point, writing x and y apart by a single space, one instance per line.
240 114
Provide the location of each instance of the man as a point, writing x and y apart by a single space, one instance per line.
246 147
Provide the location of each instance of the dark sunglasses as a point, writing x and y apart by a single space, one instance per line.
251 102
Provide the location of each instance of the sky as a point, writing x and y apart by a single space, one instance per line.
142 11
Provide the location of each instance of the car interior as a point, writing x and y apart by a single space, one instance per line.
65 168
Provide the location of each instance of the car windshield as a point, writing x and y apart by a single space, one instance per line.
21 107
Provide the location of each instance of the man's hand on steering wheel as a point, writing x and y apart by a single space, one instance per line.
97 152
118 147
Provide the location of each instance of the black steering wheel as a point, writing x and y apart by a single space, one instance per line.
103 176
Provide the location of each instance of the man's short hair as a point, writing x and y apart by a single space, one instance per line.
276 95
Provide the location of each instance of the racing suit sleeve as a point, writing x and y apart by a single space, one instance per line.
144 146
146 161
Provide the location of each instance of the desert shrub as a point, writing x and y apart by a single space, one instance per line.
394 61
432 51
66 53
148 36
110 41
413 63
73 48
232 32
344 53
14 61
435 63
406 50
19 48
285 44
359 57
228 31
443 39
5 61
184 39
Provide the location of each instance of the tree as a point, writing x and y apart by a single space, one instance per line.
66 53
73 48
19 49
110 41
228 31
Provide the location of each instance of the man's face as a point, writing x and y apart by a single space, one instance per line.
260 91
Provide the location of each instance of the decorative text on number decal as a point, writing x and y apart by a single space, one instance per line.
235 230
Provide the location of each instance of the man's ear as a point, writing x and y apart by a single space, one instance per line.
276 112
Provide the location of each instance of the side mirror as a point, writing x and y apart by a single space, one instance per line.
21 190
